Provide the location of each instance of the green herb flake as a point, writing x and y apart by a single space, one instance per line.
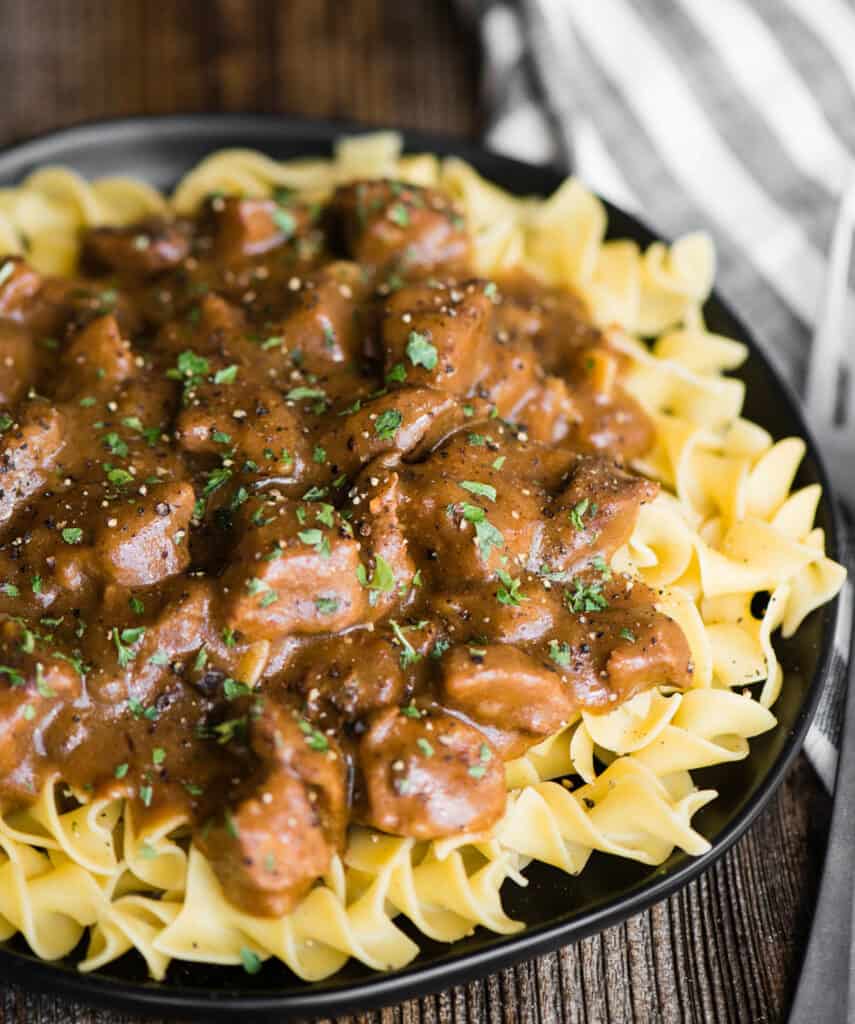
509 593
481 490
387 423
585 597
227 375
559 652
252 961
315 539
421 352
72 535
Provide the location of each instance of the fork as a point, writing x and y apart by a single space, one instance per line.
826 988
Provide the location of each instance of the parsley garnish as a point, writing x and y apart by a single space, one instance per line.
481 490
420 351
585 597
486 534
559 651
126 639
252 961
315 539
387 423
72 535
327 605
509 592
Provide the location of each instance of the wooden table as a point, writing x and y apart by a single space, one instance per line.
727 947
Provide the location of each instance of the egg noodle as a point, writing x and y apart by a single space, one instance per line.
725 527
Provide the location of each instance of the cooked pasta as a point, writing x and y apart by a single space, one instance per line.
725 527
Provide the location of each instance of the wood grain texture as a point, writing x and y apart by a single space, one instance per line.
727 947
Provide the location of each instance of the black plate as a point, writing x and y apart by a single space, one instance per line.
557 908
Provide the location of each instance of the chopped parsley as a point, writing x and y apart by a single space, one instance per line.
481 490
125 640
387 423
580 510
72 535
327 605
478 771
585 597
314 737
559 652
509 592
285 222
487 535
421 352
227 375
300 393
315 539
252 961
628 634
12 674
409 655
382 579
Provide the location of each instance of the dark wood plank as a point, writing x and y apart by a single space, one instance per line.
727 947
373 60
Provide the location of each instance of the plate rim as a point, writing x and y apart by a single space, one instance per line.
415 979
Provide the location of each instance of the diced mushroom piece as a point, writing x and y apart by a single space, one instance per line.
29 449
380 220
518 699
18 361
279 836
148 247
594 514
143 541
293 577
426 774
437 334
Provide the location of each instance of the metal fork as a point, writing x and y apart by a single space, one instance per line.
826 988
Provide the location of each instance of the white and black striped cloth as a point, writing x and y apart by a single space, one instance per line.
737 116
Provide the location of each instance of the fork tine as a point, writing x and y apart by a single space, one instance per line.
829 339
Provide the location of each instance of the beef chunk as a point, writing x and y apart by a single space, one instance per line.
387 222
281 831
146 248
144 541
516 697
594 514
292 572
28 453
97 358
427 775
438 334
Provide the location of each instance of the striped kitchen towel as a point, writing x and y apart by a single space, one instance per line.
737 116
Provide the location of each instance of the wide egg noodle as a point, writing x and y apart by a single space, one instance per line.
725 528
